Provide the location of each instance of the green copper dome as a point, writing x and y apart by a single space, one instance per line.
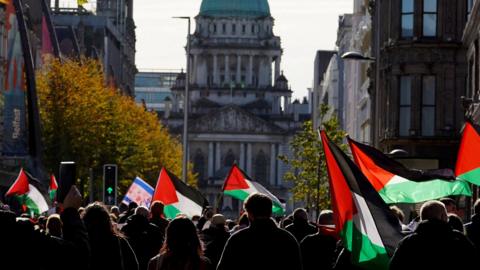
240 8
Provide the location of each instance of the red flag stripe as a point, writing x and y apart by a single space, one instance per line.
468 155
165 190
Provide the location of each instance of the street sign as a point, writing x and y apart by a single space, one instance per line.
110 173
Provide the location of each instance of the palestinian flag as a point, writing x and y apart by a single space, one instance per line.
468 159
397 184
52 190
177 196
239 186
368 228
28 194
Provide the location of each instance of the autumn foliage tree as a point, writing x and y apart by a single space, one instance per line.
93 124
308 171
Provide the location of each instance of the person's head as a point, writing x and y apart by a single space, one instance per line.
132 206
476 207
81 212
208 212
300 215
115 210
142 211
398 213
243 220
450 204
433 210
326 218
97 221
455 222
54 225
156 209
182 238
258 206
218 221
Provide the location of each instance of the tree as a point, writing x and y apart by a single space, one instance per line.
308 172
93 124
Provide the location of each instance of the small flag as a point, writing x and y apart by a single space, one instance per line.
28 194
397 184
82 2
140 192
468 159
368 228
239 186
178 197
52 190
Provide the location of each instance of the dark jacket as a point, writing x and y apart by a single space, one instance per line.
262 245
434 245
112 252
300 229
145 238
472 231
214 239
318 251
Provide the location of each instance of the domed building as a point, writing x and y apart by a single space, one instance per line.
240 107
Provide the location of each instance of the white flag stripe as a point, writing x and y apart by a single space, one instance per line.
187 206
37 198
364 221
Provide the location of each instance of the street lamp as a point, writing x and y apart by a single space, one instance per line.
185 105
356 56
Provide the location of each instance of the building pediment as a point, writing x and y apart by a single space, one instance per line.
232 119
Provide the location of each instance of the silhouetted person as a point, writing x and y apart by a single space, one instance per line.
109 250
434 244
262 245
215 237
182 248
156 217
301 227
130 211
144 237
54 225
472 229
318 250
455 222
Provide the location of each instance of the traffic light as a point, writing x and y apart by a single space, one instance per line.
110 184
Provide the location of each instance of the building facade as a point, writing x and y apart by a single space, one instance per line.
322 60
421 78
153 90
240 101
471 40
108 34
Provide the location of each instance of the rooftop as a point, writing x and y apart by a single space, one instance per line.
236 8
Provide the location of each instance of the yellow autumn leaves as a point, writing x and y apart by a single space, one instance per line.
93 124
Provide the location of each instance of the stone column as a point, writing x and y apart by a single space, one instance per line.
194 69
217 157
241 163
273 163
269 70
277 67
250 70
215 70
210 159
279 167
249 158
227 69
239 69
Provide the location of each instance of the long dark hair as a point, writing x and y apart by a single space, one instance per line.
182 240
98 221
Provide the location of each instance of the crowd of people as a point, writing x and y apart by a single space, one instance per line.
96 237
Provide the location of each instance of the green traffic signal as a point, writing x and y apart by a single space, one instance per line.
109 190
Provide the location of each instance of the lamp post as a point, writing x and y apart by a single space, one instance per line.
185 105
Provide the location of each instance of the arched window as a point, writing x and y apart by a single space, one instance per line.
229 159
199 165
261 168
